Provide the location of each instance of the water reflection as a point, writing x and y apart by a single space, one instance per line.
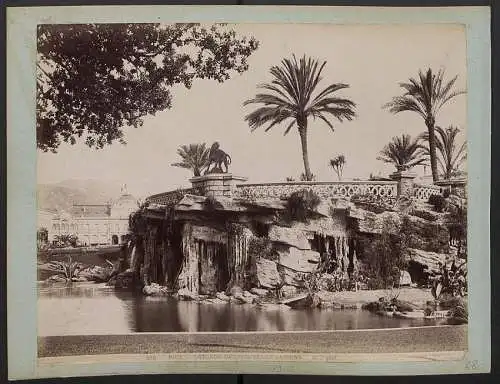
94 309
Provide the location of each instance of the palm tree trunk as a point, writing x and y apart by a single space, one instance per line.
305 157
432 149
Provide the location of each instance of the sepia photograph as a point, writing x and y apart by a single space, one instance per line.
292 189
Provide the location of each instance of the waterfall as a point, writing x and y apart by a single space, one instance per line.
133 258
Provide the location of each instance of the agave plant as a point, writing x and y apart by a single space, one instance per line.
67 269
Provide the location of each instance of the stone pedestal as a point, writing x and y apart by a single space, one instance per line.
405 181
217 184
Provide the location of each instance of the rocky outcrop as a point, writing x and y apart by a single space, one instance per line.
370 222
267 274
430 260
290 236
292 277
299 260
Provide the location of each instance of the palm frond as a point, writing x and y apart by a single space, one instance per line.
403 151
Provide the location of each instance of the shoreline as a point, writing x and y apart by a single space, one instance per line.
348 299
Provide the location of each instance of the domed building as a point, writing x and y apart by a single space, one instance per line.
96 224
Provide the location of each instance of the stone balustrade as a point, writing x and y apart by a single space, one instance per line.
329 189
171 197
424 191
340 189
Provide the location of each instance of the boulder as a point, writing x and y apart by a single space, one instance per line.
303 301
299 260
186 295
292 277
240 299
57 279
96 273
154 290
248 295
289 236
289 291
267 274
124 280
222 296
235 291
259 291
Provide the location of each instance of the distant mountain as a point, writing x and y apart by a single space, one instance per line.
62 195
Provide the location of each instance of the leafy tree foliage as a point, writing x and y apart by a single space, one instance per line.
94 79
404 152
450 154
194 157
66 240
385 257
337 163
425 96
289 98
301 204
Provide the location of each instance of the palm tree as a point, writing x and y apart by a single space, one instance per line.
337 163
426 96
403 152
194 157
290 98
450 155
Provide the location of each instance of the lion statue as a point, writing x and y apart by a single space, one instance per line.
217 157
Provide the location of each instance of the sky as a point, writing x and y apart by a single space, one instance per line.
372 59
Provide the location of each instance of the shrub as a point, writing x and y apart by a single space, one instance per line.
430 237
301 204
459 313
373 203
261 247
385 257
438 202
67 269
66 240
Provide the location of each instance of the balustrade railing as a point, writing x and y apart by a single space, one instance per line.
171 197
424 191
341 189
332 189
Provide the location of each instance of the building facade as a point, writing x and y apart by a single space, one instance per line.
101 224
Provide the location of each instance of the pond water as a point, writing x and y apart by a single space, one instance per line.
91 309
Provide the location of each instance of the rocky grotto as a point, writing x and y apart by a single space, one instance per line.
212 242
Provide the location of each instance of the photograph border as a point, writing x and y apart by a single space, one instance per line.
21 191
